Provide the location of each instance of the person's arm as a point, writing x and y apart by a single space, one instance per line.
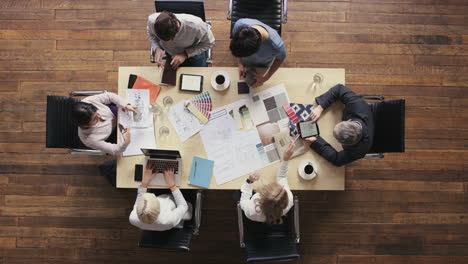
147 177
204 38
107 98
150 31
246 204
274 67
106 147
324 149
175 216
337 92
282 173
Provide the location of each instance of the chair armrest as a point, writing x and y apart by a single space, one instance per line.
86 93
284 18
297 230
373 97
209 52
86 152
374 156
229 13
152 54
198 208
240 223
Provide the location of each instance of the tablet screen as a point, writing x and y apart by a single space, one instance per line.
191 83
308 129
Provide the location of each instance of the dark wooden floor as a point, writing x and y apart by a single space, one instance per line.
406 208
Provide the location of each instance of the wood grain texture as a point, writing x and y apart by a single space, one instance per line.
407 208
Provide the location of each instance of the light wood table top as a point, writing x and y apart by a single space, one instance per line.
298 82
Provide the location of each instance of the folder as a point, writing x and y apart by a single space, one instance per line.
200 173
169 75
137 82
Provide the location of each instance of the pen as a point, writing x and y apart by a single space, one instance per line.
195 172
297 136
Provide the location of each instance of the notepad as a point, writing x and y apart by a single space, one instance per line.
200 173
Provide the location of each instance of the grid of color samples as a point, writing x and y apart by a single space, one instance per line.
201 106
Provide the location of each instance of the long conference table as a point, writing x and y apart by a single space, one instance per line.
299 86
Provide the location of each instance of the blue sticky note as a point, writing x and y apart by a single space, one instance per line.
200 173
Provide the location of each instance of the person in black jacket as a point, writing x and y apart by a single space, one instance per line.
355 132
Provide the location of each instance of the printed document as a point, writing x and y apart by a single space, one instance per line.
183 121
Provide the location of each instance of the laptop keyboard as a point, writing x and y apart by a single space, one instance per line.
160 165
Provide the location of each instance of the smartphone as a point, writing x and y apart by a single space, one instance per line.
138 172
121 128
308 129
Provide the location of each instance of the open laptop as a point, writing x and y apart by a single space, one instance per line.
163 158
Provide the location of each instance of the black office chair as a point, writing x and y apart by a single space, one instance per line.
271 12
193 7
264 242
389 118
177 239
61 132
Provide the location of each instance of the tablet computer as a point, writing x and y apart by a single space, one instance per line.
308 129
191 83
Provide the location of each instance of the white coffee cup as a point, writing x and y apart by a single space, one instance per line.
307 170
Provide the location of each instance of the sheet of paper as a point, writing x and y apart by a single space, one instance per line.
266 106
266 111
234 151
184 122
140 138
143 118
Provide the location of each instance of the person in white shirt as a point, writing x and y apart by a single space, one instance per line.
96 117
271 201
163 212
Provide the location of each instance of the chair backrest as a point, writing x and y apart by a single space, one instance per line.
194 7
265 242
61 132
389 119
177 239
266 11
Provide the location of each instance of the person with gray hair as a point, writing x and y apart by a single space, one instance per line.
355 132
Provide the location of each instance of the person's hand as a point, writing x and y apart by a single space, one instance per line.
259 81
254 177
315 115
177 60
311 139
132 108
158 55
148 175
126 135
169 177
242 71
289 151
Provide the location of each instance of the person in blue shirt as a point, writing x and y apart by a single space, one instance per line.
256 45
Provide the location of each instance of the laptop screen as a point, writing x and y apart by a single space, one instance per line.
161 153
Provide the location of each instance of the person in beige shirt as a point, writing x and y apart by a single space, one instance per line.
96 121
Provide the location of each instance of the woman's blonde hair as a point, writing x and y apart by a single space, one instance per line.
148 208
273 200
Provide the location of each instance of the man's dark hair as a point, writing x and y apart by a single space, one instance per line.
166 26
82 113
245 42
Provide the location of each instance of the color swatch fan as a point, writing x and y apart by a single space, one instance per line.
200 106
